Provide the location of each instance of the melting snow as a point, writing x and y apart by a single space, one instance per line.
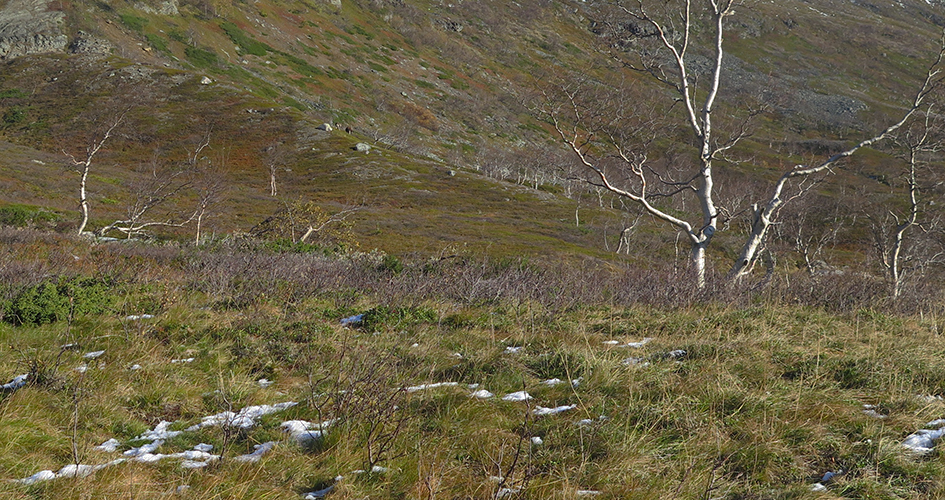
352 320
93 354
109 446
136 317
183 360
541 410
513 350
517 396
305 432
482 394
870 411
431 386
244 419
923 440
537 441
258 452
552 382
587 493
637 345
17 382
318 494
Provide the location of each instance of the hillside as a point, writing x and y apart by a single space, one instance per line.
337 249
439 90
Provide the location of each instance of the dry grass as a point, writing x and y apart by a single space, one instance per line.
766 399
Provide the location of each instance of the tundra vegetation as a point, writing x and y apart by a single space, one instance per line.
463 287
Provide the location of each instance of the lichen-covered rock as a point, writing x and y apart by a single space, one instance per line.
84 43
29 27
165 8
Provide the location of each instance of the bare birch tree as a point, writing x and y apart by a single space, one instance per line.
613 142
919 144
83 164
161 184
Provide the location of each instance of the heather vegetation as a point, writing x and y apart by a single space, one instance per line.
412 249
637 389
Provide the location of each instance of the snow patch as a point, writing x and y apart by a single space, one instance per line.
542 411
517 396
17 382
423 387
923 440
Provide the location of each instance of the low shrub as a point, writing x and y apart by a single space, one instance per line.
56 300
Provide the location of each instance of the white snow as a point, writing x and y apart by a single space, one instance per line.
198 457
818 487
552 382
870 411
482 394
182 360
637 345
431 386
263 382
517 396
244 419
635 362
93 354
541 410
43 475
587 493
144 450
71 470
304 432
923 440
109 446
258 451
611 342
17 382
136 317
135 367
507 492
514 350
537 441
314 495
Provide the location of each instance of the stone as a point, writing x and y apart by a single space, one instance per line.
362 147
85 43
29 27
206 80
325 126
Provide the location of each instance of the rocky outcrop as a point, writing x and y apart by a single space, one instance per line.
85 43
164 8
29 27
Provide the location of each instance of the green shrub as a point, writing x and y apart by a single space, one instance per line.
14 115
56 300
396 317
12 93
22 215
134 22
246 43
157 42
200 57
392 264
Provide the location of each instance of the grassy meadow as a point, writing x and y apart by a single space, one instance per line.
637 390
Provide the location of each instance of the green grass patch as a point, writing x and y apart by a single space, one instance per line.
247 44
134 22
201 58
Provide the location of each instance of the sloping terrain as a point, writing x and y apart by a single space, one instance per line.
435 88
